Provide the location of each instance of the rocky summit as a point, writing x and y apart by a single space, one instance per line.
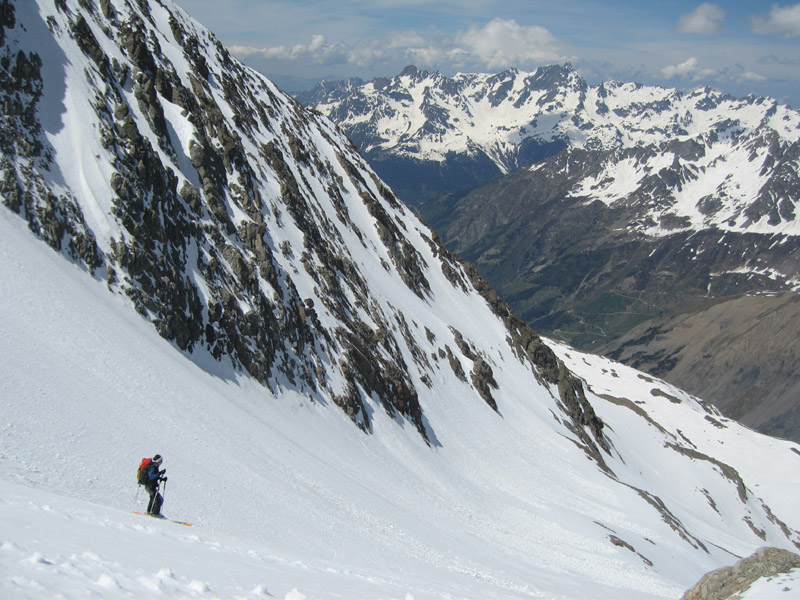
623 208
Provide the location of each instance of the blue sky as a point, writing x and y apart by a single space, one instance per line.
737 47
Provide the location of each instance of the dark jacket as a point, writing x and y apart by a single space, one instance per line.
151 476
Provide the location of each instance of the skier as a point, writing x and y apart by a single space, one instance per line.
152 476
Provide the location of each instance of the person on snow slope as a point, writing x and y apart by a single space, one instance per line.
151 478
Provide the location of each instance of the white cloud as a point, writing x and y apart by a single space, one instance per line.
706 18
497 44
317 51
415 48
750 76
503 43
425 56
364 56
685 69
244 51
317 43
781 19
690 70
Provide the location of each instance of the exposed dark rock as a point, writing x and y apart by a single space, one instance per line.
483 379
351 402
58 220
455 364
623 544
109 12
376 365
670 519
88 43
582 420
7 19
726 470
406 259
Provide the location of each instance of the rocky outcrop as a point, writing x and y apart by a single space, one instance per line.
55 216
727 582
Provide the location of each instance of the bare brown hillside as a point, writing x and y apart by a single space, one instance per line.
741 354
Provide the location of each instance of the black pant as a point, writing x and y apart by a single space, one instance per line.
156 500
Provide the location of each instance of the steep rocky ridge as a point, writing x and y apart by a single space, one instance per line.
238 223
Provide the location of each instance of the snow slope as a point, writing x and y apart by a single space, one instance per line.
330 387
785 586
289 500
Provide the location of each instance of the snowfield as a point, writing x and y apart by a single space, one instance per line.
288 499
283 494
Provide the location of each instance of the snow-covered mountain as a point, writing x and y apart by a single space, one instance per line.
687 160
345 408
289 500
711 310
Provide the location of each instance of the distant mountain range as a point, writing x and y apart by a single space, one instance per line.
598 209
686 160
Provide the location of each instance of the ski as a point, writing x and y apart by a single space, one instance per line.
162 518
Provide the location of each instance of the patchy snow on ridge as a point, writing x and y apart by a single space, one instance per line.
722 162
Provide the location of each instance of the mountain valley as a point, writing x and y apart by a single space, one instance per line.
645 206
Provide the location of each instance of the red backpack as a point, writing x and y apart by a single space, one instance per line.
140 473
